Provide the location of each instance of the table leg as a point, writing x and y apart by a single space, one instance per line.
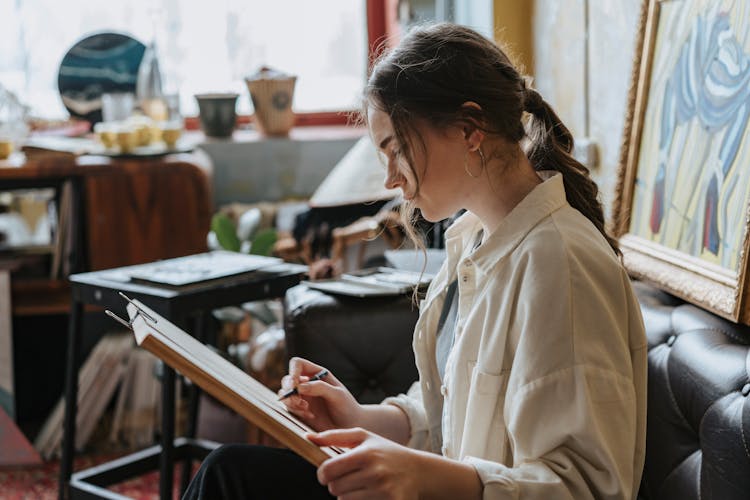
71 397
166 461
201 326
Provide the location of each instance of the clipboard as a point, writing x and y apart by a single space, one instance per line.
222 380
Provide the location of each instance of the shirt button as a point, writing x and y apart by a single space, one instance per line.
443 390
444 451
464 278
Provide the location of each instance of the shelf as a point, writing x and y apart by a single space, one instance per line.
40 296
8 252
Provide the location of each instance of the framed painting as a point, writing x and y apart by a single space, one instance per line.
682 203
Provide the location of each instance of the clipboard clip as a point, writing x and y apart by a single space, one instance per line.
139 312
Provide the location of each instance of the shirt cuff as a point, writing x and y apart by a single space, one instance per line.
495 484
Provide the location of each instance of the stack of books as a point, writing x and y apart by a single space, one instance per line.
373 282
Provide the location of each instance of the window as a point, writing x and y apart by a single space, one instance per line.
203 46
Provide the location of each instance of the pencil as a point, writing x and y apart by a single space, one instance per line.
321 374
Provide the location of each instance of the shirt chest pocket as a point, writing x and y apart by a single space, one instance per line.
485 433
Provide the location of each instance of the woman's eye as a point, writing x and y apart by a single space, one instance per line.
383 158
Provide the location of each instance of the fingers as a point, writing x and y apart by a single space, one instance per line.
348 438
339 467
293 403
300 370
348 472
304 387
318 388
300 366
297 367
354 485
287 383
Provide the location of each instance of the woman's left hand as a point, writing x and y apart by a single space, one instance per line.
375 467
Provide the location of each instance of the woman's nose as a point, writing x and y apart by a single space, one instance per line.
393 178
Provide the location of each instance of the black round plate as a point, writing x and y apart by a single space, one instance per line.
97 64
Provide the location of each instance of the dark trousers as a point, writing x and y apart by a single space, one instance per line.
245 472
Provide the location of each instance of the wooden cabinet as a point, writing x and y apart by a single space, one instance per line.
141 211
126 211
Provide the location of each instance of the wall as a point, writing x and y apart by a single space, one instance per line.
587 81
513 31
249 168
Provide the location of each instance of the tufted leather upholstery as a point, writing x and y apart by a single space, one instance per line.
698 435
365 342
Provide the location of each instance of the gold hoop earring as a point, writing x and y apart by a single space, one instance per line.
466 165
481 158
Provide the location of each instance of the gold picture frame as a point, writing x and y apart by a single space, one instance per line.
682 203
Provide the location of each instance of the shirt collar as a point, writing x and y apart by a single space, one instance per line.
545 198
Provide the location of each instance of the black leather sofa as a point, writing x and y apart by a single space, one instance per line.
698 436
366 342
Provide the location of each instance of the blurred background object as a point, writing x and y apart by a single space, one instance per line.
105 62
117 106
357 178
217 112
272 93
13 122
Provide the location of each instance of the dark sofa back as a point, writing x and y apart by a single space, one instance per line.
698 435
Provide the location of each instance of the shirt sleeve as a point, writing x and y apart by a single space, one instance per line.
411 404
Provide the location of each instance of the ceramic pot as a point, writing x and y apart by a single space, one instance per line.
272 95
217 113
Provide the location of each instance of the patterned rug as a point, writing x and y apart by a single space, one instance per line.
40 483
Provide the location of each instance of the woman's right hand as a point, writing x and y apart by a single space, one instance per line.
322 404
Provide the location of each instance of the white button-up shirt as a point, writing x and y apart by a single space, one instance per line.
545 386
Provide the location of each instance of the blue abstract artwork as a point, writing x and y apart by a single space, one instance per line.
692 184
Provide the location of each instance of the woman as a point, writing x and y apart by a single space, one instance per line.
530 345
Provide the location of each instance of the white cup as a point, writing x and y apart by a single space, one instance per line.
117 106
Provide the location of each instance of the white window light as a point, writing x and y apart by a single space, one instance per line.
204 46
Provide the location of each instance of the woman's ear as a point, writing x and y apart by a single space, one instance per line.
473 134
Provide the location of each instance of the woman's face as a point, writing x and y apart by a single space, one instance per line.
437 182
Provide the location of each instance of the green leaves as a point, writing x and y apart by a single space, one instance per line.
263 242
226 233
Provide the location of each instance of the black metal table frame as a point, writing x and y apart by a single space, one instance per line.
176 304
92 483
